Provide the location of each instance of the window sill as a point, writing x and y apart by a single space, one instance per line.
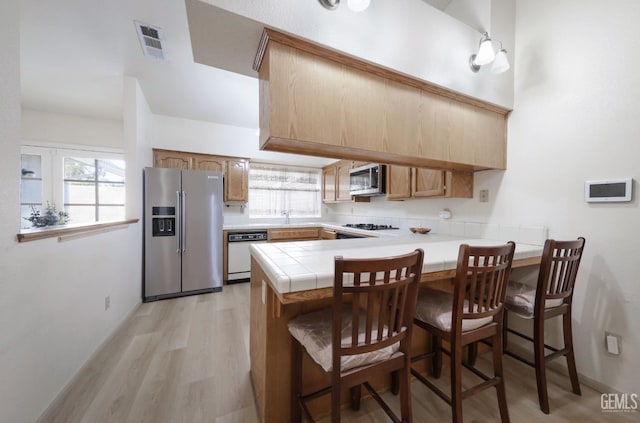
69 231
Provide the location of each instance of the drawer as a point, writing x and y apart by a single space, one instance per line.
328 234
293 234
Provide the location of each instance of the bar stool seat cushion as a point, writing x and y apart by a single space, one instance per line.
521 298
435 307
314 332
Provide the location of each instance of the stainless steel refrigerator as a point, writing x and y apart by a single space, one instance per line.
182 232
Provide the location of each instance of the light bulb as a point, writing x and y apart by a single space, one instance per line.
501 62
358 5
485 52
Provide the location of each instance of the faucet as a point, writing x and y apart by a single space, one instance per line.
286 216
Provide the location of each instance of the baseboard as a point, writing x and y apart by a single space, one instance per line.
57 400
557 367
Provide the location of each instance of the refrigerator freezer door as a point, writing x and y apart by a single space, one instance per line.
202 237
162 262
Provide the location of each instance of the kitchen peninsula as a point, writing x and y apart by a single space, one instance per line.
297 277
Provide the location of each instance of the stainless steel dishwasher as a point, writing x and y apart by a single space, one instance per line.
239 256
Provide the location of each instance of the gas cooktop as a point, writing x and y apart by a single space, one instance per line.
368 226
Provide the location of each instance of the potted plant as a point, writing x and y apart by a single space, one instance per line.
51 216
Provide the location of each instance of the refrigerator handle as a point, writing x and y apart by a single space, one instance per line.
178 237
184 221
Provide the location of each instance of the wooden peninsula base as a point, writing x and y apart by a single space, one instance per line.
271 345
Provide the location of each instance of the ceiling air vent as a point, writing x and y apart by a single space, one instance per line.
151 40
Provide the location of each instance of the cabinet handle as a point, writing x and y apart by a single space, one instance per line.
179 217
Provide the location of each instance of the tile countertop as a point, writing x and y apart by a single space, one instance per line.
305 265
326 225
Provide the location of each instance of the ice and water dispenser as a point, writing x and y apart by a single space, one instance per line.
163 221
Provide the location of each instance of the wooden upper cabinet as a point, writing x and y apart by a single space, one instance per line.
236 188
404 183
320 102
459 184
427 182
234 169
342 181
336 183
172 159
210 163
398 182
329 184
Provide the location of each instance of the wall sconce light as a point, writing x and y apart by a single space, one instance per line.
486 55
353 5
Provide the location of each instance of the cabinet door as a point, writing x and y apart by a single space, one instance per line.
329 184
236 183
172 159
342 181
210 163
293 234
359 163
398 182
427 182
459 184
328 234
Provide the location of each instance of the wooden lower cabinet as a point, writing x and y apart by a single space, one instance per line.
404 183
293 234
328 234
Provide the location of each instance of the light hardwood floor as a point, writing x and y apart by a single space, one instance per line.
186 360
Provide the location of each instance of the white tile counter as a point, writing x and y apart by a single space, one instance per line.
305 265
326 225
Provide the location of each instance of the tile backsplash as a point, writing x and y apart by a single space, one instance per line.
526 234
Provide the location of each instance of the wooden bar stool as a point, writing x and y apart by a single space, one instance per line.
551 297
367 332
474 312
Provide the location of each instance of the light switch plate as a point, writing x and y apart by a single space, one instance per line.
612 343
484 195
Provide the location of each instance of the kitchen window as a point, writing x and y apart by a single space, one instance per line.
94 188
276 189
88 185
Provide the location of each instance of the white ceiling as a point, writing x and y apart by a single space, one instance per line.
74 54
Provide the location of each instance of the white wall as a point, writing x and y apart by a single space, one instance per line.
195 136
574 119
137 119
48 127
409 36
52 315
173 133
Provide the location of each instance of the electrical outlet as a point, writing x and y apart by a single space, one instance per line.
484 195
107 302
613 343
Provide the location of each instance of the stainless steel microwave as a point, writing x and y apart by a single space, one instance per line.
367 180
